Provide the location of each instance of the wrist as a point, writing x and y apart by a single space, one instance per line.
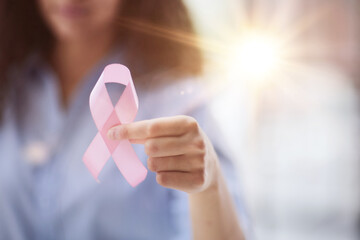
214 184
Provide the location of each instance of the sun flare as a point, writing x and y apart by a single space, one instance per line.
255 55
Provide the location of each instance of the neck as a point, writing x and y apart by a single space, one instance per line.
72 60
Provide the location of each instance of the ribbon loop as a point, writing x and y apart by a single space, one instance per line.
105 116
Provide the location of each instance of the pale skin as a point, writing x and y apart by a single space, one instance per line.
183 158
179 152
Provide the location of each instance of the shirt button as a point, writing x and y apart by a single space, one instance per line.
36 153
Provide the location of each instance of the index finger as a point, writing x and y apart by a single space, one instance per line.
167 126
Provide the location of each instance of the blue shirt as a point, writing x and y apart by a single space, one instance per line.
46 192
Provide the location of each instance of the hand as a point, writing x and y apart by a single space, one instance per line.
184 159
178 150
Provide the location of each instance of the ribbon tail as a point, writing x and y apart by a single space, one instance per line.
96 156
129 164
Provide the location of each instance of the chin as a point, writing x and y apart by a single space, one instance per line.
70 33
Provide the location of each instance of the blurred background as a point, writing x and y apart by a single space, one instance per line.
286 77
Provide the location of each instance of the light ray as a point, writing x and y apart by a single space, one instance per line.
281 54
173 35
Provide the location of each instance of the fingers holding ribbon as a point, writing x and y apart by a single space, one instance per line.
159 127
179 152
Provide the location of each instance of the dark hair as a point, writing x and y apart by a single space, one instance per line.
150 30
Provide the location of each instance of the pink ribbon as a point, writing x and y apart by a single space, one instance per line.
105 116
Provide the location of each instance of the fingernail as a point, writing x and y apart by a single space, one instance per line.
111 134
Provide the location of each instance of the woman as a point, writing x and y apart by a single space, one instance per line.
52 53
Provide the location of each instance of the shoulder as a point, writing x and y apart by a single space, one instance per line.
8 135
22 77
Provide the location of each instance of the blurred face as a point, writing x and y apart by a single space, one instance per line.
79 19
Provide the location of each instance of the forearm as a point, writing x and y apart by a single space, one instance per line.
213 213
184 159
